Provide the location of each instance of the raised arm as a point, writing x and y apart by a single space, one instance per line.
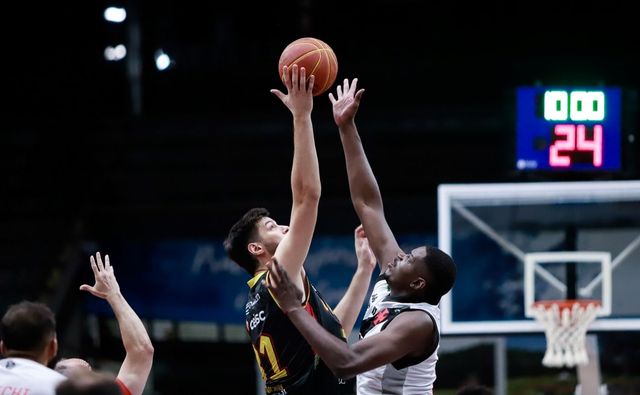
409 334
349 306
365 193
137 363
305 173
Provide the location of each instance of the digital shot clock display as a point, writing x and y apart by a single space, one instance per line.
568 129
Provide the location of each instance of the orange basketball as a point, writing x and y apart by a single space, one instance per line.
316 57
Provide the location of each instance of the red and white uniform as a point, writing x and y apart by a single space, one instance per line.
20 376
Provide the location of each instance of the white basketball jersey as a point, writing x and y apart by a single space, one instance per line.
415 379
19 376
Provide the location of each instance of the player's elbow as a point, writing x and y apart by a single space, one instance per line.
148 349
309 194
312 191
365 206
346 367
344 372
144 350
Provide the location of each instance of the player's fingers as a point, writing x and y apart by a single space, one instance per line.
278 94
85 287
331 98
284 276
354 83
310 83
302 79
359 94
99 261
286 78
345 86
94 267
339 90
294 77
274 271
107 264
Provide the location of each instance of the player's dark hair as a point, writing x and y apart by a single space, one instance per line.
442 272
241 234
27 326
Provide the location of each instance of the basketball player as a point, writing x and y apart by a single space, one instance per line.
288 364
29 343
138 360
400 337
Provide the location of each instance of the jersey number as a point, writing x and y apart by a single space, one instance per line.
266 347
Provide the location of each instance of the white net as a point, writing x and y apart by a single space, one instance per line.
565 324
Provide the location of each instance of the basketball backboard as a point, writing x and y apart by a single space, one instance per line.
576 237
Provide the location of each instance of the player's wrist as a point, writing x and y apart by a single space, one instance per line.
347 125
364 270
291 310
302 116
114 297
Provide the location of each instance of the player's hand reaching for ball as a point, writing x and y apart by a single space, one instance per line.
106 285
286 293
299 98
346 105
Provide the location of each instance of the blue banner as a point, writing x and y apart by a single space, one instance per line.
194 280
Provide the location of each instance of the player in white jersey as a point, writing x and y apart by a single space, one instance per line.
29 343
398 351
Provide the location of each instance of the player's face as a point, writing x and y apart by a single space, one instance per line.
271 234
406 268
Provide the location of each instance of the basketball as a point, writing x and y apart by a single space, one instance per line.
316 57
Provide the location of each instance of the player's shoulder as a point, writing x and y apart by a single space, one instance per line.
413 321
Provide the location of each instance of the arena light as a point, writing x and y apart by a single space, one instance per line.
115 14
116 53
163 61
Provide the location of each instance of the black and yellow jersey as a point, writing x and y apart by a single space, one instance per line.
287 362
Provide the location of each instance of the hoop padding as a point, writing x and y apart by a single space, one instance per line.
565 326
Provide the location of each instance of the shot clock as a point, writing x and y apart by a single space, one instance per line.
569 129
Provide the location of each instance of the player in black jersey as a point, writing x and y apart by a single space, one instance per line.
288 364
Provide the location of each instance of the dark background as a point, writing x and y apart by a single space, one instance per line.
79 164
211 140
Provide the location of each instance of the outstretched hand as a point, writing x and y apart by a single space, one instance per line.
299 97
286 293
346 105
106 284
366 258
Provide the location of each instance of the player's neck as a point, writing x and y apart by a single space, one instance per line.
259 271
40 358
263 259
403 298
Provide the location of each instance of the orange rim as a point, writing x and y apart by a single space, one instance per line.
566 304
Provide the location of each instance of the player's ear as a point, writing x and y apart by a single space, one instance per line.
418 283
255 248
52 348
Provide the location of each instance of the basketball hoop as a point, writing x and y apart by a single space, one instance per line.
565 326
